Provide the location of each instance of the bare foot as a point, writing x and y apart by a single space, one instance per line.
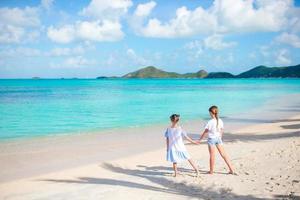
177 173
232 172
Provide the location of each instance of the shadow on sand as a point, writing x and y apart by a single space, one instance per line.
292 126
249 137
161 181
155 175
257 121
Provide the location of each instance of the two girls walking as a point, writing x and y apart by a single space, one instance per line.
176 151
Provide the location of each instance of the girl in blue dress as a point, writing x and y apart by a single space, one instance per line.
176 151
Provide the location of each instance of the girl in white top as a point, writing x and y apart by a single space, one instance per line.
176 150
214 130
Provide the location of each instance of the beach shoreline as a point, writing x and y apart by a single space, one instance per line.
23 159
265 156
33 109
61 136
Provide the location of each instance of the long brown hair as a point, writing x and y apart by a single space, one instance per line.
214 110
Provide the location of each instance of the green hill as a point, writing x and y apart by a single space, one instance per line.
219 75
152 72
269 72
256 72
199 74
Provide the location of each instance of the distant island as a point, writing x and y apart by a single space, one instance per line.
152 72
256 72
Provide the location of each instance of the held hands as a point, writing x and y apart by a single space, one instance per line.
193 141
196 141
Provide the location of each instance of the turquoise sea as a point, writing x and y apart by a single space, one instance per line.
30 108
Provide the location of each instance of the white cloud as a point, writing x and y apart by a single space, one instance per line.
186 23
141 12
145 9
283 57
19 25
220 61
265 50
85 30
47 4
103 23
194 49
64 34
193 45
106 9
100 31
33 35
79 50
229 16
289 39
137 60
20 52
110 61
252 16
216 42
73 62
11 34
27 17
130 52
295 20
272 55
76 62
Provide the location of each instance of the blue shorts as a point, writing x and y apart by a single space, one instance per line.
214 141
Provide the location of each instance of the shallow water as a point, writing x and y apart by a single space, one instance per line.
30 108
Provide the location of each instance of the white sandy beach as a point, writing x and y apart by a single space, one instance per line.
98 96
265 154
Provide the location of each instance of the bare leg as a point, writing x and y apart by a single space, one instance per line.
225 157
211 149
193 165
175 169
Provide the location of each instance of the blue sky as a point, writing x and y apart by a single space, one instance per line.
90 38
